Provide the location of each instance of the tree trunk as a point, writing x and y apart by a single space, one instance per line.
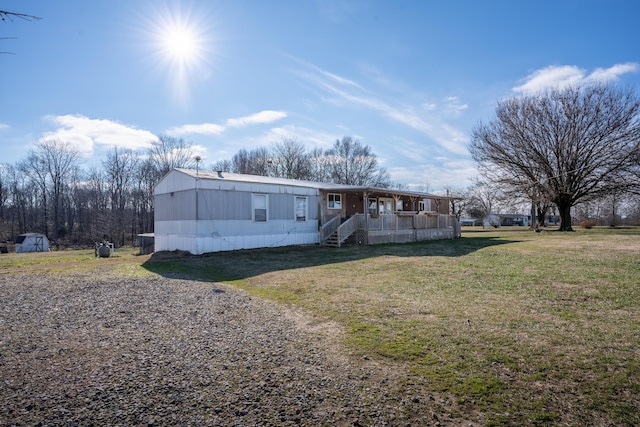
542 216
534 219
565 217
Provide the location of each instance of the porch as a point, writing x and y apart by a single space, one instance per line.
400 227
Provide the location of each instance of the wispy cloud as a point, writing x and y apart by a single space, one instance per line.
432 175
85 133
559 76
4 126
310 136
343 91
262 117
453 107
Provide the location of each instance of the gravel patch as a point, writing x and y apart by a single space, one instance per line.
87 350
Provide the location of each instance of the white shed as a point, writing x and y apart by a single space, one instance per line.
32 242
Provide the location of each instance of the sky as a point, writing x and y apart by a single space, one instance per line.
409 78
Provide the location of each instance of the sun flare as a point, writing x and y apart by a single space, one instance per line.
181 44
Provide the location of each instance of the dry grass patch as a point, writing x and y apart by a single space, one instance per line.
522 328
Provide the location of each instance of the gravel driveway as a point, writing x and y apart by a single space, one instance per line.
86 350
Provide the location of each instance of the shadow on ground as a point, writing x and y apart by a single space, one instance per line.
242 264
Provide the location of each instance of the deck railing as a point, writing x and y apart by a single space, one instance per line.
347 228
405 221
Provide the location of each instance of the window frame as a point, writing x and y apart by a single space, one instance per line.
331 200
305 209
254 197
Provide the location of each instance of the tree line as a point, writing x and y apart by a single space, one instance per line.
49 191
567 153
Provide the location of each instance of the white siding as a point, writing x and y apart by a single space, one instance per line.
214 236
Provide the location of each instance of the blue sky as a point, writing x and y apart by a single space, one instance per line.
409 78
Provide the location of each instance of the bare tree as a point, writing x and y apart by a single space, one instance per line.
319 165
459 202
4 192
120 166
352 163
169 153
50 164
290 160
258 161
6 15
145 180
222 165
484 197
569 144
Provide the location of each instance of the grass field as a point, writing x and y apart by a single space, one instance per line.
526 328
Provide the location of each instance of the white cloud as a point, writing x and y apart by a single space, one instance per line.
201 129
266 116
84 133
566 75
4 126
614 72
345 91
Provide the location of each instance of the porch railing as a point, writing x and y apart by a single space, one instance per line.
404 221
347 228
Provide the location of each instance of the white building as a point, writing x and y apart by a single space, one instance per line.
32 242
203 211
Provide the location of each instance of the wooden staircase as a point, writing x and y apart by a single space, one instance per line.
342 233
333 240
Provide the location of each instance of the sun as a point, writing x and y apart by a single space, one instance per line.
181 44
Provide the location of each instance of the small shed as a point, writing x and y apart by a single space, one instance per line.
146 242
32 242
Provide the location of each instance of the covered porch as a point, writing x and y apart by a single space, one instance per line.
374 216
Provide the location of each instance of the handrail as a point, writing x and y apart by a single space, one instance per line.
329 227
347 228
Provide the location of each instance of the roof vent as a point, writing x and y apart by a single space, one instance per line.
220 174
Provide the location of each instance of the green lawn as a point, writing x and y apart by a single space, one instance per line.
527 328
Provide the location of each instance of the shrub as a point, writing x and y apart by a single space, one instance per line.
587 223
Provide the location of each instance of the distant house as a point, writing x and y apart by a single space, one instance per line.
200 212
32 242
469 222
506 220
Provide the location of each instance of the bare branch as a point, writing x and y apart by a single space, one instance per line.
5 14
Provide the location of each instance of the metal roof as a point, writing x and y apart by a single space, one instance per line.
326 186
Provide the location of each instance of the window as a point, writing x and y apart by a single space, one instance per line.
260 207
334 201
373 206
301 209
386 205
424 205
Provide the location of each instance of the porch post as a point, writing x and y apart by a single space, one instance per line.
365 197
